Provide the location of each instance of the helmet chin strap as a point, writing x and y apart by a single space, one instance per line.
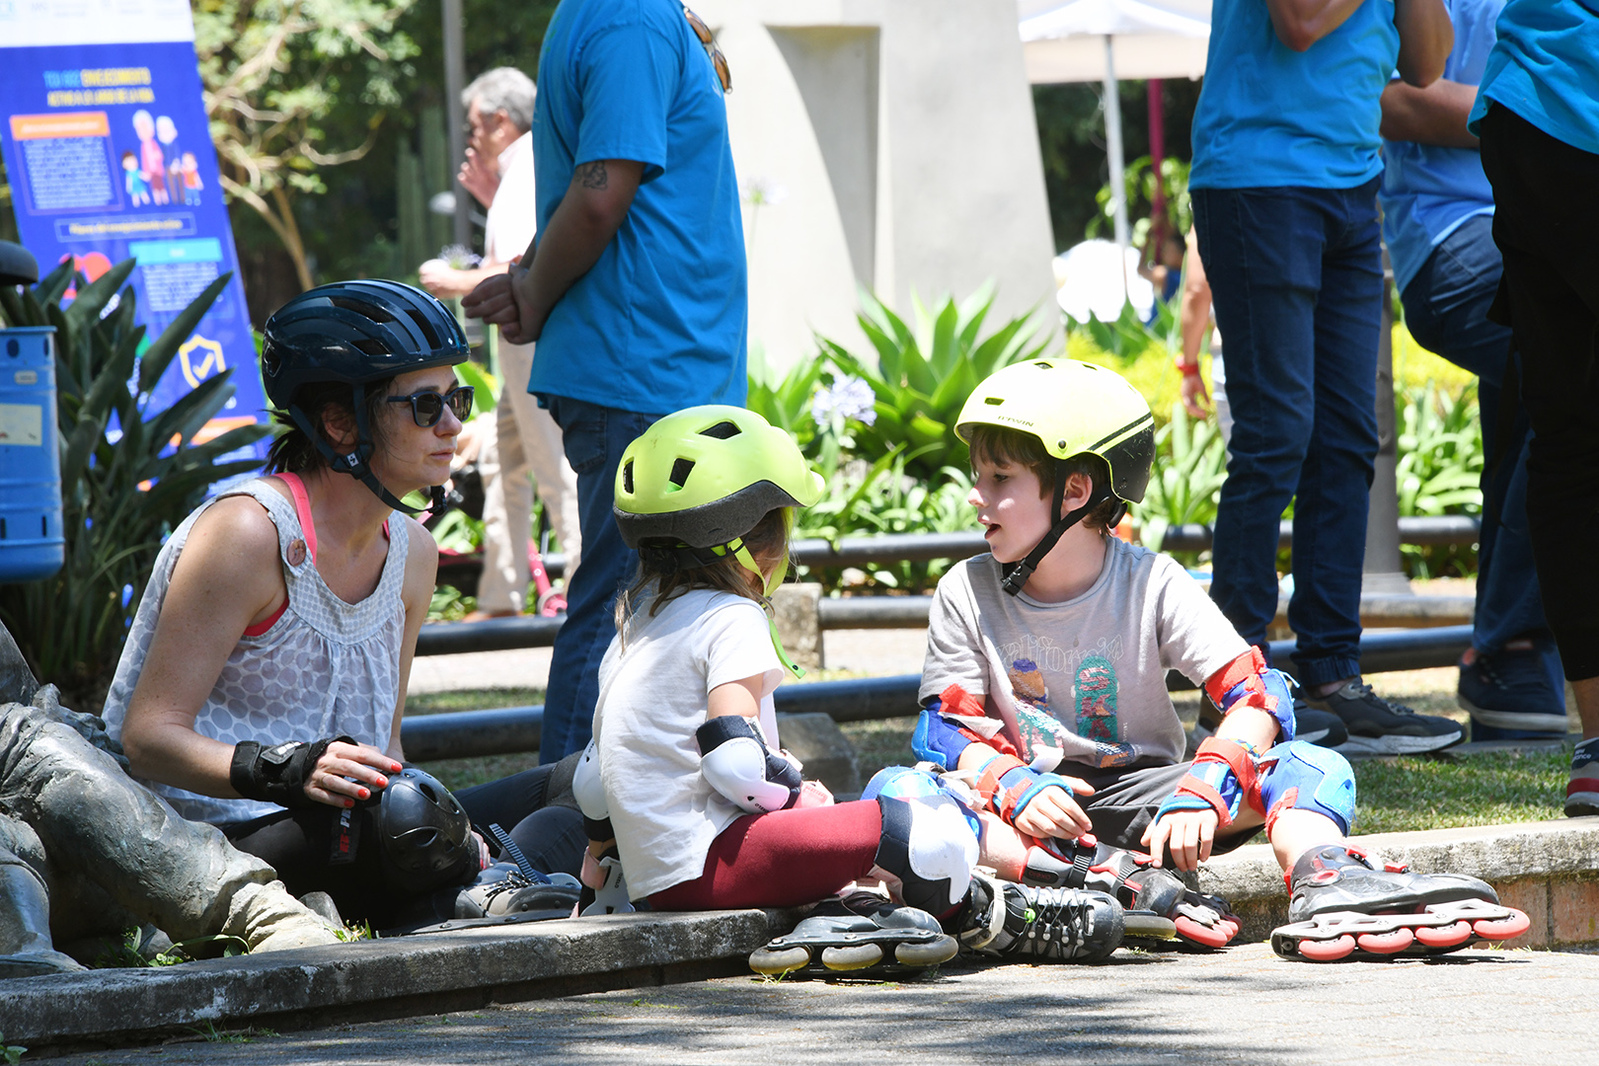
1017 574
358 463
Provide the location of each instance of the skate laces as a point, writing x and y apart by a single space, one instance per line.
1058 920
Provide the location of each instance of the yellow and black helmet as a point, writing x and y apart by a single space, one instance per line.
1074 409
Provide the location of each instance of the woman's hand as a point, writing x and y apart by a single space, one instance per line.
349 772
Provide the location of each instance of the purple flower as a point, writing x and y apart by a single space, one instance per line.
847 398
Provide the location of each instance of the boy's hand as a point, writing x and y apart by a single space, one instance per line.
1189 834
1054 813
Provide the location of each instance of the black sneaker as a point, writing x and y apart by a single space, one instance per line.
1514 689
1378 727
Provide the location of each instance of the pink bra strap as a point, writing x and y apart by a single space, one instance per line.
302 508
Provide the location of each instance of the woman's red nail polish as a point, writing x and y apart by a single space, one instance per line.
365 793
383 782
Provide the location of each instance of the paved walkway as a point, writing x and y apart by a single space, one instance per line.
1242 1005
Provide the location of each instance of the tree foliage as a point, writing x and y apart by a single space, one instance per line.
275 73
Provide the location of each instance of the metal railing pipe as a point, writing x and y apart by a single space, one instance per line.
467 734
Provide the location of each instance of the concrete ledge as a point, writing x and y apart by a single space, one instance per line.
1548 869
417 975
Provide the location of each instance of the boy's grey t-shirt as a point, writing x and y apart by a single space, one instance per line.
1087 675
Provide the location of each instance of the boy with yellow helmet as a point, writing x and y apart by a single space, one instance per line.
1051 652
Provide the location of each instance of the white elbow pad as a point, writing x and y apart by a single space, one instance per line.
588 789
737 763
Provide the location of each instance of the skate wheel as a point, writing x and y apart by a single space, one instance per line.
1444 936
853 957
1328 950
1386 943
1211 936
1502 928
928 953
781 961
1144 925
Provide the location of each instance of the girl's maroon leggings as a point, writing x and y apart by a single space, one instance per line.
782 859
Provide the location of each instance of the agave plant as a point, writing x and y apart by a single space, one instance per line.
923 374
123 490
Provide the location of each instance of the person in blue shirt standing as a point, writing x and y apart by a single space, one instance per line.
1538 116
1438 225
1284 180
635 288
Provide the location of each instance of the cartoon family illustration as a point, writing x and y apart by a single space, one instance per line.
149 176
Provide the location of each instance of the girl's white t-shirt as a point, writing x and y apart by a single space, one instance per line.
654 681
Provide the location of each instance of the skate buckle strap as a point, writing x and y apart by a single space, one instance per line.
508 847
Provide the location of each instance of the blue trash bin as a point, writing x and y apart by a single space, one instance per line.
32 544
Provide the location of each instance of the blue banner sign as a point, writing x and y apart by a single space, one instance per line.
109 156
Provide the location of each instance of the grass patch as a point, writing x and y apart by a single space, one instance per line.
1394 795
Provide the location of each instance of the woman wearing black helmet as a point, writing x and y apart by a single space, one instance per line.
262 684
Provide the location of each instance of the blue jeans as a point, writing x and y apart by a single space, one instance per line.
1446 309
593 438
1296 276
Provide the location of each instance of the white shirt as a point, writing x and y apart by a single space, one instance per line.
513 215
654 683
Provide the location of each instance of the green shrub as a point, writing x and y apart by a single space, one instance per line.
121 493
1185 485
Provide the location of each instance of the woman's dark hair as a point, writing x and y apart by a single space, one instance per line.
296 453
660 569
998 444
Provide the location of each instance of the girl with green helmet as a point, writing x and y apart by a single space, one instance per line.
684 786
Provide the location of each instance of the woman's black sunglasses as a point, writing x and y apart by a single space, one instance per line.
427 406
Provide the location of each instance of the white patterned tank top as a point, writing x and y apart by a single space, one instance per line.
323 667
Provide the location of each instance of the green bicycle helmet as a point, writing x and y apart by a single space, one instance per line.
700 479
1074 409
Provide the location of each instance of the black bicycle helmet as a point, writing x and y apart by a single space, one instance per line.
355 332
426 834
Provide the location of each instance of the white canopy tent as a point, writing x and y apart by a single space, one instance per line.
1094 40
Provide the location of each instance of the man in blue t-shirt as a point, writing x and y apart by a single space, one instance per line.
635 287
1438 225
1538 116
1285 175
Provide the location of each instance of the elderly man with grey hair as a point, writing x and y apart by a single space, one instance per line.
522 439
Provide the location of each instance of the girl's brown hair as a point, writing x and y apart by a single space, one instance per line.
661 569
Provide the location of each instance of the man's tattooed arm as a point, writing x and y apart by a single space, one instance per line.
593 175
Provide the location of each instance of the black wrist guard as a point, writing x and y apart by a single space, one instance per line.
277 774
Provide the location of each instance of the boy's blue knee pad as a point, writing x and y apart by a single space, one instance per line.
907 782
1307 777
